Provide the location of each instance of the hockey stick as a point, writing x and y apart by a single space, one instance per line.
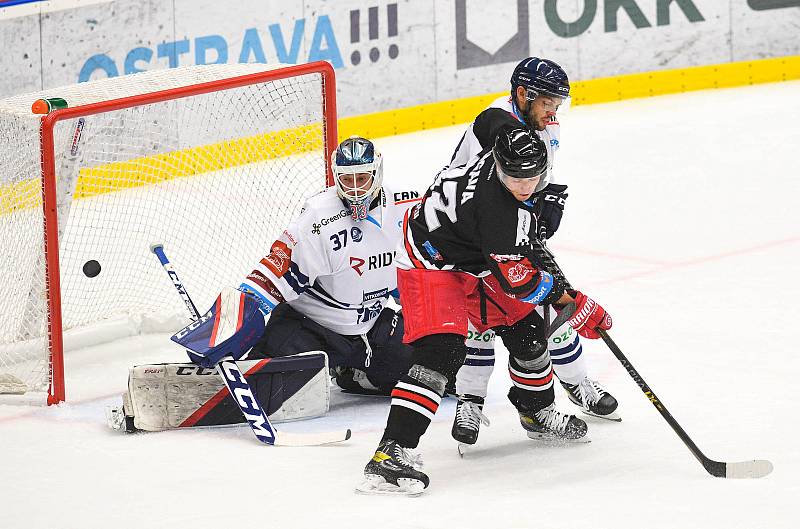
240 389
757 468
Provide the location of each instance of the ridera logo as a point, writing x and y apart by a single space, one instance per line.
373 262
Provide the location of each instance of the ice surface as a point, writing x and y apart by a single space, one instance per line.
682 221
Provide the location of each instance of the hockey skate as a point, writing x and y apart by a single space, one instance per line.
547 424
393 470
593 399
467 422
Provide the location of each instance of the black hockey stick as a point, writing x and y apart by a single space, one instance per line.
240 390
757 468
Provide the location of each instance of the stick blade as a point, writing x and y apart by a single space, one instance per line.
311 439
757 468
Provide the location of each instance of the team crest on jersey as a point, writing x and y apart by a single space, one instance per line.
516 271
356 234
365 314
279 258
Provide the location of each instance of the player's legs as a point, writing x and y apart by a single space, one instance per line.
570 366
472 381
435 313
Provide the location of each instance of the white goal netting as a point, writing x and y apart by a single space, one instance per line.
213 176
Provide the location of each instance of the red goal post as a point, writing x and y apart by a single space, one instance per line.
212 169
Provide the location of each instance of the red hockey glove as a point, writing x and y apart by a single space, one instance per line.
589 316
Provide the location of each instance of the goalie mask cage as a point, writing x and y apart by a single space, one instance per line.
211 161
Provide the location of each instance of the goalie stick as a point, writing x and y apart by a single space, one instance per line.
757 468
240 389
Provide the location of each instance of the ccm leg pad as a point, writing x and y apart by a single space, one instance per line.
165 396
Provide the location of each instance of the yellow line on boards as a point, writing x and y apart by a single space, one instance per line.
591 91
148 170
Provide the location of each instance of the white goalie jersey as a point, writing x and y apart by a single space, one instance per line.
334 270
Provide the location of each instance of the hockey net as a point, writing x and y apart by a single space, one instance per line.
210 161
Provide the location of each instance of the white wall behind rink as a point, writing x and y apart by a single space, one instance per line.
387 53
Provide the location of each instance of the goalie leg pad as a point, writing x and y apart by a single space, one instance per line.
165 396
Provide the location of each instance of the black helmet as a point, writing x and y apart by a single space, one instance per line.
520 153
541 76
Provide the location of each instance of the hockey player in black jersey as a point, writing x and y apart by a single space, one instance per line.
539 89
472 253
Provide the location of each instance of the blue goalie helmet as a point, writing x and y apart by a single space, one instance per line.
358 174
540 76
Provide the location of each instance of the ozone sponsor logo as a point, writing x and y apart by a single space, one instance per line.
376 294
356 234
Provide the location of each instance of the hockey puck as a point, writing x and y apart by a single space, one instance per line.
91 268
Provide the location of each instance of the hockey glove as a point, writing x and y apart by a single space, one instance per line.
553 198
231 327
584 315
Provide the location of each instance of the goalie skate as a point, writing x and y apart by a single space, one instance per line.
393 470
593 399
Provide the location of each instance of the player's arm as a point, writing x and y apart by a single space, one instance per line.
488 124
236 320
522 274
553 199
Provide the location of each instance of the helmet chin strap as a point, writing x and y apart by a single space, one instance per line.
521 114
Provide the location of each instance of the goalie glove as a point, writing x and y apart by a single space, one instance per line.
231 327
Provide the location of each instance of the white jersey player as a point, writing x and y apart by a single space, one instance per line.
327 279
539 88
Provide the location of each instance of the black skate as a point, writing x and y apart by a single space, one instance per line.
393 470
593 399
549 424
467 422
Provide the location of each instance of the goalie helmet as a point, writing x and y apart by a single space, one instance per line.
354 159
519 154
540 76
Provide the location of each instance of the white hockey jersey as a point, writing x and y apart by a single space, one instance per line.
470 145
334 270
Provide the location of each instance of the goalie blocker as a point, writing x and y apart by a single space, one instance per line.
167 396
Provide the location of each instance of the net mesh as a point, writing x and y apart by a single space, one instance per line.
213 177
